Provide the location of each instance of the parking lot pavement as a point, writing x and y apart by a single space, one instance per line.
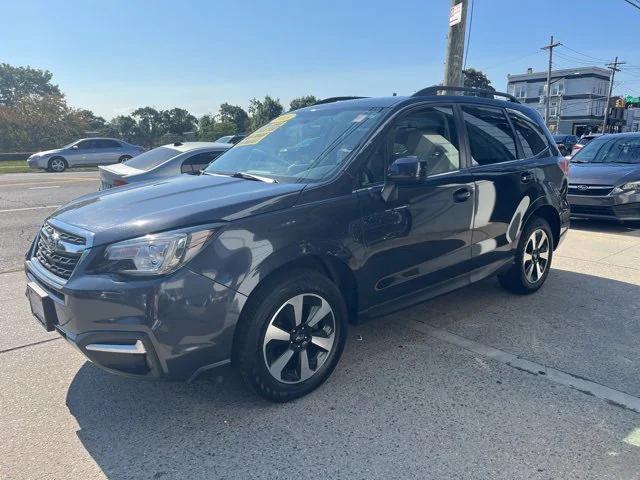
26 199
418 394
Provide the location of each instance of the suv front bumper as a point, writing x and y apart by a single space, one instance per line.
171 327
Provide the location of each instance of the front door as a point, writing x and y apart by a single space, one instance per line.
420 237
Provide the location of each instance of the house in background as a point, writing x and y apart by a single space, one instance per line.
577 98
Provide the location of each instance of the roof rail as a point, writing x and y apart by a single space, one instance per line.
480 92
336 99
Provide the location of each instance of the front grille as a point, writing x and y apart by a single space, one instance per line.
53 250
590 190
591 210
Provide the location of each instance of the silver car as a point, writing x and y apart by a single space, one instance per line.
162 162
84 152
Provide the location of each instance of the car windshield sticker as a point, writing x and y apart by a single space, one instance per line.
265 131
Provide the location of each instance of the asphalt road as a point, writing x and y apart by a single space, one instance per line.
475 384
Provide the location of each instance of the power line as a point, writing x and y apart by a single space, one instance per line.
633 4
584 54
466 53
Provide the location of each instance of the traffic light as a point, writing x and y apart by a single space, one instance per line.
620 103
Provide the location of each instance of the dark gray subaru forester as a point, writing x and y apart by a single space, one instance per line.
351 208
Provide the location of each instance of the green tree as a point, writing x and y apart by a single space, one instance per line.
262 112
123 127
94 123
149 126
235 115
17 83
476 79
302 102
211 129
178 121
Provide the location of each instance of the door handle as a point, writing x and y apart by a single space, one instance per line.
526 177
461 195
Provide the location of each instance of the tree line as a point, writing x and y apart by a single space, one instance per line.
34 115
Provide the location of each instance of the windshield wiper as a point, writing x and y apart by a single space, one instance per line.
245 175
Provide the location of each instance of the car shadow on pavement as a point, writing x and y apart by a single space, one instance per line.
392 383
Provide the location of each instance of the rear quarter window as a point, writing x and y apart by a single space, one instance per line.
531 137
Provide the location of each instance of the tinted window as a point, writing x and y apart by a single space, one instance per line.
532 139
428 134
152 158
86 144
490 135
106 144
198 162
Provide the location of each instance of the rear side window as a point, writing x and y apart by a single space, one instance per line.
532 139
490 135
107 144
152 158
198 162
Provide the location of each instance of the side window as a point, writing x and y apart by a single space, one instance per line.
532 139
490 136
107 144
86 144
198 162
428 134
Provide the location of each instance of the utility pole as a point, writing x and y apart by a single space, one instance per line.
549 47
614 68
455 43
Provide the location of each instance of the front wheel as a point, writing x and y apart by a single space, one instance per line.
291 335
124 158
57 165
533 259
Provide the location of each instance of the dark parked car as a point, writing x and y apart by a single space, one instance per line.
565 143
604 182
162 162
262 261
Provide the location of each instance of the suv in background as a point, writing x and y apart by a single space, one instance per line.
350 208
565 143
84 152
162 162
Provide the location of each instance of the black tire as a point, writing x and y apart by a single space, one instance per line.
266 306
57 165
517 279
124 158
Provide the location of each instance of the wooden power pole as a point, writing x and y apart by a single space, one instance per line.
455 43
549 47
613 66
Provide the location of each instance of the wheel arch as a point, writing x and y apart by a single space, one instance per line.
551 215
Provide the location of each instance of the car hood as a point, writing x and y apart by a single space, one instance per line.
603 173
131 211
49 152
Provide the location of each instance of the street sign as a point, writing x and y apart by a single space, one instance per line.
455 14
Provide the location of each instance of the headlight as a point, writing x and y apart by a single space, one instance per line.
157 254
629 187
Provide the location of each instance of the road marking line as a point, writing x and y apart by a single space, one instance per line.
42 188
28 208
13 349
72 180
612 396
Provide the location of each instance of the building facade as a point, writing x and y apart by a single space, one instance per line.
577 98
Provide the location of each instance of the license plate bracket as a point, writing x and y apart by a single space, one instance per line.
42 306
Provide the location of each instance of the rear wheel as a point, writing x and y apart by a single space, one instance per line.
533 259
291 335
57 164
124 158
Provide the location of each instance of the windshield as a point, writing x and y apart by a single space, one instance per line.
152 158
610 150
307 144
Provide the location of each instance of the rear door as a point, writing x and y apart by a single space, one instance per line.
502 183
420 237
106 152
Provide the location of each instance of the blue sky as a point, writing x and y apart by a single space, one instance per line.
114 56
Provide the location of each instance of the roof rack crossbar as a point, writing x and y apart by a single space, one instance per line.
336 99
433 90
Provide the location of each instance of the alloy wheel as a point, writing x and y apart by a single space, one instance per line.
299 338
57 165
535 259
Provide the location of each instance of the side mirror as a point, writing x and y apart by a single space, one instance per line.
404 171
407 170
75 147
